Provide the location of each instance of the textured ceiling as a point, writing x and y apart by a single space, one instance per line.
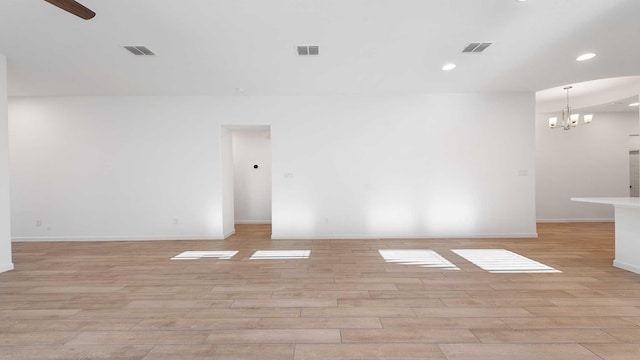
247 47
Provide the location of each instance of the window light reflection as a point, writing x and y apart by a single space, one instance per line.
503 261
422 258
195 255
280 254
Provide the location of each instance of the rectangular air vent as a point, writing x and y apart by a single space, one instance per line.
476 47
139 50
305 50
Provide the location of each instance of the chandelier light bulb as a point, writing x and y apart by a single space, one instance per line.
588 118
553 122
574 119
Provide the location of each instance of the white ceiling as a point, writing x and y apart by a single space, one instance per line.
587 88
621 105
604 95
247 47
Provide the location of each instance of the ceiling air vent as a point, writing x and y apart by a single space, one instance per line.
139 50
308 50
476 47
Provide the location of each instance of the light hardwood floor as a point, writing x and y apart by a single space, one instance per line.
128 300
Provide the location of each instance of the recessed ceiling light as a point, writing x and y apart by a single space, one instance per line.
634 104
586 56
449 67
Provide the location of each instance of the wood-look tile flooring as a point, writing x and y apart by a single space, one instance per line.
128 300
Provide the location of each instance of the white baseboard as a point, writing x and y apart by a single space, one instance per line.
574 220
253 222
275 237
626 266
6 267
116 238
399 236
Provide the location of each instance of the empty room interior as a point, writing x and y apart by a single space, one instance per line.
307 179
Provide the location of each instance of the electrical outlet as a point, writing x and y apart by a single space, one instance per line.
326 221
38 223
176 221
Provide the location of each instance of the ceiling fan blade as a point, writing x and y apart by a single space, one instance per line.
73 7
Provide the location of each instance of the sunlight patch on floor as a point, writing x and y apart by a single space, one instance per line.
422 258
280 254
503 261
195 255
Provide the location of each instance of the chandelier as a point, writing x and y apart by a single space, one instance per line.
569 119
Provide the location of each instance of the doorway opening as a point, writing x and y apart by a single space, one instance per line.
634 172
246 173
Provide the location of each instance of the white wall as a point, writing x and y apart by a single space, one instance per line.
5 224
252 187
587 161
432 165
114 168
226 179
416 166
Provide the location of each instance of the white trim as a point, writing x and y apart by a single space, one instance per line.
253 222
399 236
6 267
117 238
275 237
625 266
575 220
